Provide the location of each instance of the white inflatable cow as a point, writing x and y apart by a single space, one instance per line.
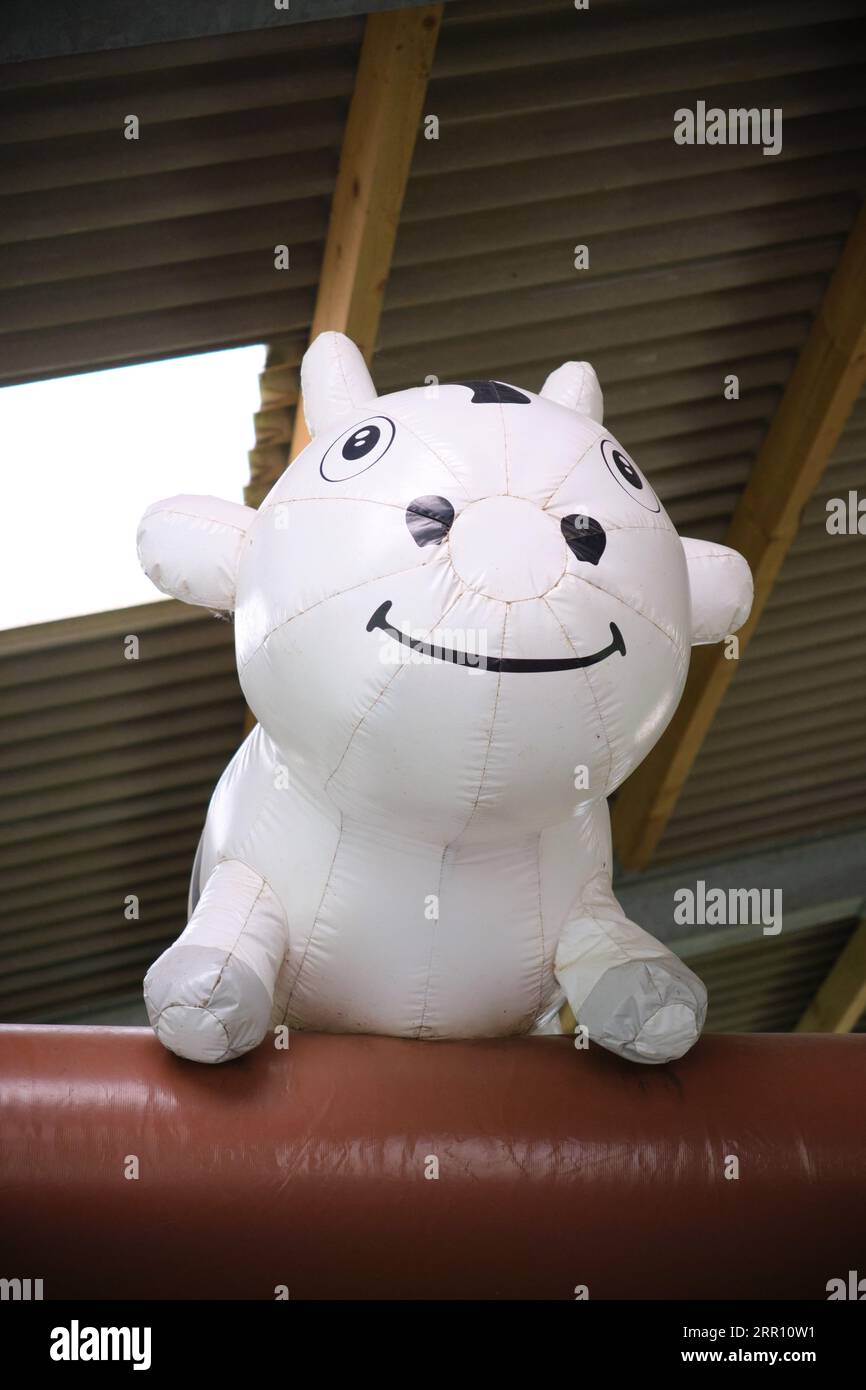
462 617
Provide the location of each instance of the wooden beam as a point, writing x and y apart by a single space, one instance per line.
841 1000
382 126
273 422
804 431
378 142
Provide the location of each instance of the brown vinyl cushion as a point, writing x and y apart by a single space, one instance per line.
305 1168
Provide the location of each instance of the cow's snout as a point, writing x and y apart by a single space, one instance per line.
507 548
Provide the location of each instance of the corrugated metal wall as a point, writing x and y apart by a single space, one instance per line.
766 985
106 768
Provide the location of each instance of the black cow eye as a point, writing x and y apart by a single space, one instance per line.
626 468
429 519
623 471
585 537
361 443
357 449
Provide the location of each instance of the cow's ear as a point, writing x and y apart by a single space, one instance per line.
190 547
576 385
721 588
334 381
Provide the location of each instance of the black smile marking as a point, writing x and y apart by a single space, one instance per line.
493 663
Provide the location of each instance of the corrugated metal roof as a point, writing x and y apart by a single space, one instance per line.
703 260
106 766
57 27
786 753
119 250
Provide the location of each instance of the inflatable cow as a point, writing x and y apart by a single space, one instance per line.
462 617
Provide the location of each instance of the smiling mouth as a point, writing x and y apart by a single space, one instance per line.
492 663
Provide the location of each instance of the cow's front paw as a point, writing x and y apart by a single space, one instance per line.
204 1006
646 1010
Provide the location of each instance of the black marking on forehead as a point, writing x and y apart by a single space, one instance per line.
494 393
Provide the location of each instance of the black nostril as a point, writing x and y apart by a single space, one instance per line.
584 537
429 519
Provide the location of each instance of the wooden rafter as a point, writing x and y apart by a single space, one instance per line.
841 999
381 130
823 387
393 69
274 420
378 141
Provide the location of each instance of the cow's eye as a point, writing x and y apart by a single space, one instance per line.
584 537
357 449
429 519
621 468
361 443
625 466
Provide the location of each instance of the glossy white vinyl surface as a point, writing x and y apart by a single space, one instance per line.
462 618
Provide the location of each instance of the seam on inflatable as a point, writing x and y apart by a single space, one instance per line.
581 579
584 378
581 914
601 433
264 804
435 925
203 1009
279 985
382 692
543 962
682 1003
505 449
241 931
266 885
530 598
427 445
608 526
292 501
201 600
266 882
471 589
591 689
664 530
393 574
468 822
489 737
194 516
598 711
191 595
341 368
295 982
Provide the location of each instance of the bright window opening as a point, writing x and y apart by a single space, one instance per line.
83 456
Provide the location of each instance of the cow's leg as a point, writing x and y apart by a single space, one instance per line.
209 995
633 995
